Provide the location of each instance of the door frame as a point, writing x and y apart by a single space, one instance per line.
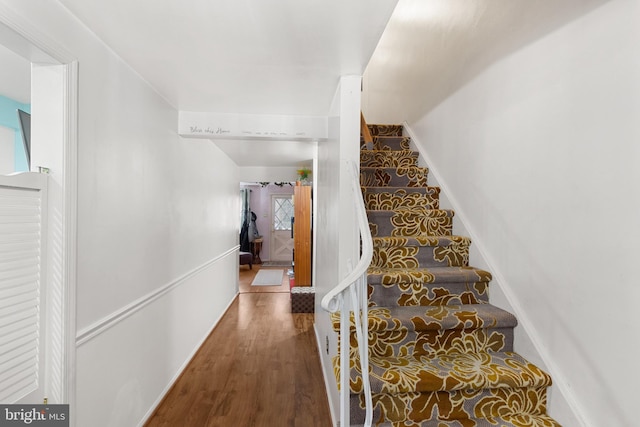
18 34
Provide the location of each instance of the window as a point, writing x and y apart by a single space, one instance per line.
282 212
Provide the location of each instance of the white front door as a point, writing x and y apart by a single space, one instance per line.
281 240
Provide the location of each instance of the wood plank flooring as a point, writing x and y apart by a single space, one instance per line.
259 367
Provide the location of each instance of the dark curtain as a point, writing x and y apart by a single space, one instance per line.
245 195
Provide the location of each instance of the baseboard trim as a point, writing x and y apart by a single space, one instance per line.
107 322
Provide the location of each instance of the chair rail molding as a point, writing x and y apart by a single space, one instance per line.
107 322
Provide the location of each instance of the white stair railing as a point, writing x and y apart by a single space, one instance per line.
351 299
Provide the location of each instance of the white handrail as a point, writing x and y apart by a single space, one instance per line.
351 296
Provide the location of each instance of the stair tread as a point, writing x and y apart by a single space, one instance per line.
391 143
390 137
388 158
393 241
439 317
428 190
404 176
435 317
448 372
384 129
419 169
375 150
513 420
387 189
427 275
391 198
432 213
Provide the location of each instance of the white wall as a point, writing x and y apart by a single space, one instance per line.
157 231
268 173
335 237
7 149
540 154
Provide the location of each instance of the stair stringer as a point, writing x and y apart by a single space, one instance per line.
562 402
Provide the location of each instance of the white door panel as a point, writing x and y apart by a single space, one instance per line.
22 306
281 240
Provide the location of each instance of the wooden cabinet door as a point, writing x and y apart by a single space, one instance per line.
302 235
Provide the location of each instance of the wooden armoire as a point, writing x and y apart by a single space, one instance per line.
302 235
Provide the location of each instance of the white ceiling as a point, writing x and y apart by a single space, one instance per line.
281 57
15 76
241 56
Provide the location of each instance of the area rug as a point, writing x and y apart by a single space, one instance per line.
276 264
268 278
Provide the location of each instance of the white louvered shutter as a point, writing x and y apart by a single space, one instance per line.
20 299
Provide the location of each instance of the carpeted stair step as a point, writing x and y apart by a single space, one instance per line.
388 159
521 420
423 318
494 408
412 176
391 143
414 252
385 129
387 143
450 386
430 331
427 286
391 198
411 222
449 372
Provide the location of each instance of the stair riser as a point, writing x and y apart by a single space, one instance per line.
390 177
420 256
388 159
457 405
435 275
399 343
401 199
391 143
412 294
512 420
409 225
385 130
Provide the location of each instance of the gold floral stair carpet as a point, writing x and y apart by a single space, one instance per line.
440 354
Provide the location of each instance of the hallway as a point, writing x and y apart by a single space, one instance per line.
259 367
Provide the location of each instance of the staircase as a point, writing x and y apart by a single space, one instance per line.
440 354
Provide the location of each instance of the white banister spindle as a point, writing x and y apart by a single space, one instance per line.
351 299
345 349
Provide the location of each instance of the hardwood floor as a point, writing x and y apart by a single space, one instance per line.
259 367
